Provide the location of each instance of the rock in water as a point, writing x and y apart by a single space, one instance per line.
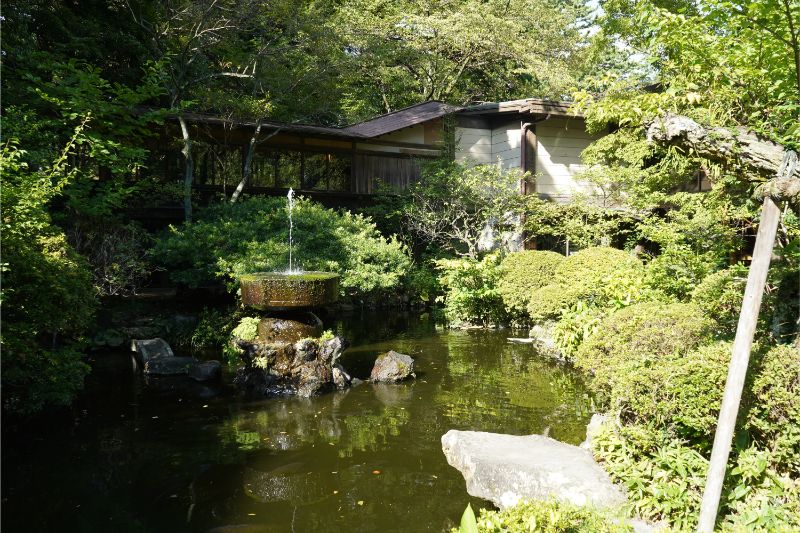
206 371
392 367
306 367
341 378
147 349
508 468
169 366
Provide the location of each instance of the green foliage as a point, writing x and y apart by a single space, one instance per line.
550 516
471 294
666 481
680 394
640 335
117 253
452 204
469 524
720 296
247 329
575 325
47 295
252 236
422 284
774 417
214 327
599 276
521 273
695 238
462 51
664 484
579 223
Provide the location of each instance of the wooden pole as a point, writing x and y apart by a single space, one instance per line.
737 371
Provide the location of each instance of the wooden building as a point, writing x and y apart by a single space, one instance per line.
385 153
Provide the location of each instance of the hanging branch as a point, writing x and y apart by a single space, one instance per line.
744 150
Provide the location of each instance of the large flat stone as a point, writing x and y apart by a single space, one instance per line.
508 468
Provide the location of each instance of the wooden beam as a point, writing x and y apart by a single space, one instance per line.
737 370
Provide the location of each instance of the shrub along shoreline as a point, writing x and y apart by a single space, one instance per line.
657 362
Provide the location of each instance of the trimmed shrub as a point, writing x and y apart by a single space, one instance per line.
680 395
521 273
252 236
720 296
640 335
547 303
599 276
471 295
774 419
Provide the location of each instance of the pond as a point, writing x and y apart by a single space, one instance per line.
169 455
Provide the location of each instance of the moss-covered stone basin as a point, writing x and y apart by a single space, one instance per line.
273 290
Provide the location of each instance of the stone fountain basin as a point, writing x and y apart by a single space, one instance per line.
277 291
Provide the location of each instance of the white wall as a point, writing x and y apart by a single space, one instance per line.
473 146
558 153
480 146
505 145
558 158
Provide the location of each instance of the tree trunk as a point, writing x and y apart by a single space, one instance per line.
739 148
188 169
248 164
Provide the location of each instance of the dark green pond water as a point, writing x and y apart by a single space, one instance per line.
170 455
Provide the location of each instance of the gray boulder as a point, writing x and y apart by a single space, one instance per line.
392 367
146 350
169 366
508 468
206 371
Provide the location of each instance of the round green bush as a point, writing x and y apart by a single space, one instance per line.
546 303
774 418
639 335
720 296
229 240
521 273
599 275
593 266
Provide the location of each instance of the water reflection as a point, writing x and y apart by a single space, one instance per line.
164 457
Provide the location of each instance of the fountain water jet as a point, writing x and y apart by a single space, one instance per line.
287 355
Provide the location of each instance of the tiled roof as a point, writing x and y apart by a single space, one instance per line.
402 118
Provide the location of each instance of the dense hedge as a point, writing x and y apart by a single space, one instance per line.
252 235
640 335
774 419
595 275
521 273
720 296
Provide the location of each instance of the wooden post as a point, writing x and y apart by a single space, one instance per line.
737 370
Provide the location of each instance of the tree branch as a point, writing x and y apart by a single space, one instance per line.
738 147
